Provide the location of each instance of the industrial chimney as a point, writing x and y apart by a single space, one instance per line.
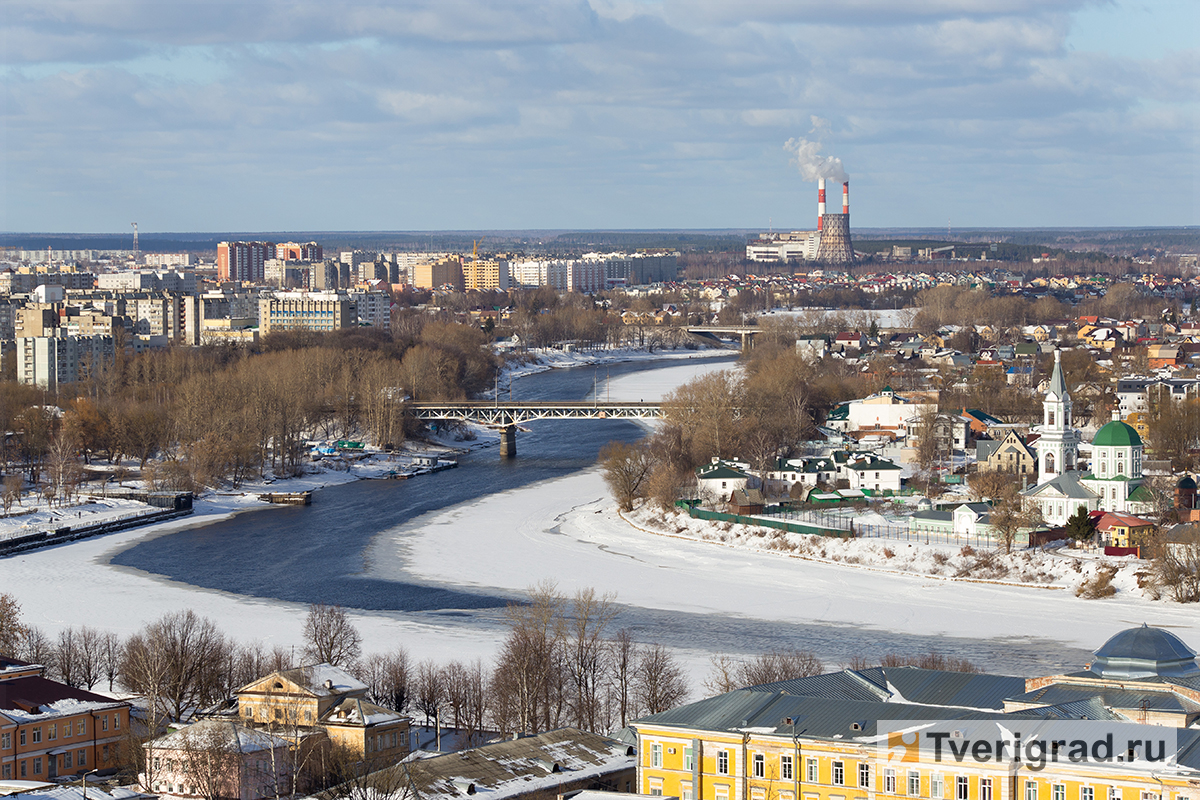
820 202
835 246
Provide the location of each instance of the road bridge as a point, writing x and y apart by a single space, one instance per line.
507 415
746 332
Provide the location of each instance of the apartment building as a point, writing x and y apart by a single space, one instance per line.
315 311
447 271
486 275
294 251
373 309
52 361
50 730
243 261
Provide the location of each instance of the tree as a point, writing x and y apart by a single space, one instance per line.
12 632
176 662
729 673
586 654
626 470
661 682
623 656
527 680
1010 514
330 637
211 759
1177 566
1079 526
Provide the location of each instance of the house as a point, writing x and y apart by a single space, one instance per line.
886 410
51 730
967 520
721 478
803 471
844 734
869 473
1009 454
746 502
537 767
220 758
1123 530
325 699
812 348
850 340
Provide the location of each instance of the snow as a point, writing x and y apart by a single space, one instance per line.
885 318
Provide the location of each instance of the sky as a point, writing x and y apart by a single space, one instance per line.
595 114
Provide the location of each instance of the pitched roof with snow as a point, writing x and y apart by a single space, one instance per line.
225 734
33 697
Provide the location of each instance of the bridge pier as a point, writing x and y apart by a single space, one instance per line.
508 441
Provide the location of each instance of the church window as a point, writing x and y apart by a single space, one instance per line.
1050 463
1051 417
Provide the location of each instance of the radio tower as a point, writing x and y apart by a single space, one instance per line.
135 241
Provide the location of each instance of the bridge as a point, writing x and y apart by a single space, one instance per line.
507 415
746 332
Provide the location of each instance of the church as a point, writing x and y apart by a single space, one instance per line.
1114 480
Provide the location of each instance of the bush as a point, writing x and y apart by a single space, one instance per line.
940 558
1099 585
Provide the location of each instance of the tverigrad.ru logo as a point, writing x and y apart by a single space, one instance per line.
1029 742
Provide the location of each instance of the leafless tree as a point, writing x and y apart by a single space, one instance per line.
430 691
777 665
388 678
528 674
623 658
587 655
177 658
330 637
661 681
1177 566
627 467
211 759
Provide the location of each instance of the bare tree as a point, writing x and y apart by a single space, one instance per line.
623 657
661 681
1177 566
430 691
211 759
388 678
177 658
586 654
777 665
330 637
627 467
528 675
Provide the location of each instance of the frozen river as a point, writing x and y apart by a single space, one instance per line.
430 563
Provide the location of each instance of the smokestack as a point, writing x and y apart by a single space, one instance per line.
846 197
820 202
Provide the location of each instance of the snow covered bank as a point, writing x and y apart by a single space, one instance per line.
544 359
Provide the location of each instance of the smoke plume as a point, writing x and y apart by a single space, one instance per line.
806 155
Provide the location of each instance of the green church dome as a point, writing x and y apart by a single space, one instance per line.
1117 434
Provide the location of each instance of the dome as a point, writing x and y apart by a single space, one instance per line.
1117 434
1144 653
1186 482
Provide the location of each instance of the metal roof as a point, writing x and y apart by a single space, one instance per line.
1058 694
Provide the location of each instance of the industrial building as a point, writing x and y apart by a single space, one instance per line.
830 243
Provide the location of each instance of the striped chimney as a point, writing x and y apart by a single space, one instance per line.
820 203
846 197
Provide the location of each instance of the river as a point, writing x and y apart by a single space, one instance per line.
323 554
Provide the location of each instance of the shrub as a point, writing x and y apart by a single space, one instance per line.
1099 585
940 558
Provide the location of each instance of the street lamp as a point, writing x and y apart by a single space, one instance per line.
83 781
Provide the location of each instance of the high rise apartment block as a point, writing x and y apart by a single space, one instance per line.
446 271
485 275
51 361
243 261
293 251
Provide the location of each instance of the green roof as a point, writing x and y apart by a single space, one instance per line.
1117 434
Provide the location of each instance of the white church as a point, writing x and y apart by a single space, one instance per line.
1115 480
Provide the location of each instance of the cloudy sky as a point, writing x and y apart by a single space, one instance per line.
502 114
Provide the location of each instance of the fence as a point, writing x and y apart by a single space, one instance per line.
841 524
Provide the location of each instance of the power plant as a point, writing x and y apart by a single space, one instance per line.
830 243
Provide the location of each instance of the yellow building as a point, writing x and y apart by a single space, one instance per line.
447 271
325 698
833 737
485 274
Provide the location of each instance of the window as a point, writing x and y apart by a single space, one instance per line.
81 727
785 767
689 762
51 733
104 723
82 760
656 755
5 741
37 736
1114 793
985 789
7 772
937 786
1087 793
889 781
960 787
810 769
249 712
839 773
760 765
37 766
722 762
22 769
656 787
1031 790
685 789
864 775
1058 792
67 760
914 783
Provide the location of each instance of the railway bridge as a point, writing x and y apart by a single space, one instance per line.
508 415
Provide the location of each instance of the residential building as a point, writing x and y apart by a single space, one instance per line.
294 251
326 698
147 280
316 311
168 259
221 758
243 261
52 361
50 730
1123 530
871 474
372 309
486 275
434 274
720 478
1009 454
845 734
